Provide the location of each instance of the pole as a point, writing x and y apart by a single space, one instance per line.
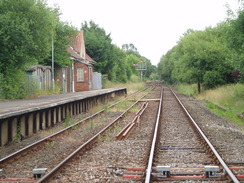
52 63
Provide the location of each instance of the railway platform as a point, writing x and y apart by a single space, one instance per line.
25 117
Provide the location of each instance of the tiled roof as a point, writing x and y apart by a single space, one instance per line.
77 47
88 58
73 53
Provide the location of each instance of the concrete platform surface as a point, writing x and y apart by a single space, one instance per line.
16 107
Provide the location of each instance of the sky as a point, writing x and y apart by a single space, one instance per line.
153 26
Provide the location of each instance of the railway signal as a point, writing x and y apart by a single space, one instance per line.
141 66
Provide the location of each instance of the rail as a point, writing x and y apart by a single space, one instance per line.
227 169
87 143
4 159
150 160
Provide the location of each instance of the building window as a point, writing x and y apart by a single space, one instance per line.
80 74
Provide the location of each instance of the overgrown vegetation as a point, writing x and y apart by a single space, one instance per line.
211 61
210 57
225 113
27 28
229 96
187 89
226 101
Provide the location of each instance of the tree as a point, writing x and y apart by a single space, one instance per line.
98 45
204 52
199 57
166 66
235 41
26 28
63 35
130 48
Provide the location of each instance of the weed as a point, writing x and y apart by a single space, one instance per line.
107 135
51 144
229 96
91 124
226 114
67 120
100 138
74 127
116 130
18 136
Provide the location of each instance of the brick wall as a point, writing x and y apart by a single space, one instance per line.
82 86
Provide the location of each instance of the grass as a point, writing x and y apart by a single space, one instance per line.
226 114
187 89
226 101
229 96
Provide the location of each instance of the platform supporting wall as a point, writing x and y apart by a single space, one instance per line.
17 127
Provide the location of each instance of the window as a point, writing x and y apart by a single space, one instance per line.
80 74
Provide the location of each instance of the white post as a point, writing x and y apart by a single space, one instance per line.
73 78
52 63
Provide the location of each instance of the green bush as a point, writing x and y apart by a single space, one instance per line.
212 79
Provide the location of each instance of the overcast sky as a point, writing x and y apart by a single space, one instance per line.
153 26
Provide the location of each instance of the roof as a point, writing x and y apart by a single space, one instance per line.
77 50
88 58
76 44
73 53
35 67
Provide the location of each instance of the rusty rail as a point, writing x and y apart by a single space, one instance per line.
50 174
127 130
25 149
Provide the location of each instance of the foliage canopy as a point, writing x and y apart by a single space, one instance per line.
209 57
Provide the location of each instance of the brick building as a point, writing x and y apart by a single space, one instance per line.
77 77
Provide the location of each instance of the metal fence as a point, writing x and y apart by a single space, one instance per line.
96 81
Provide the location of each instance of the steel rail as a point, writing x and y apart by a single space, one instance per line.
6 158
150 160
227 169
87 143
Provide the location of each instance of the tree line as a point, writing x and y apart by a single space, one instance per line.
210 58
117 63
27 30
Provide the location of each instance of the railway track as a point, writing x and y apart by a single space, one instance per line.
177 153
39 158
180 151
113 160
